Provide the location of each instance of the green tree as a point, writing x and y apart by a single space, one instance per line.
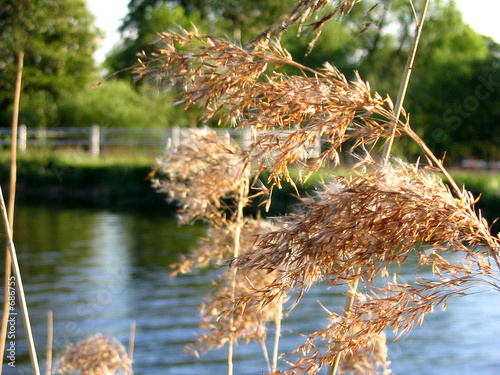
240 19
138 11
39 108
451 102
58 40
141 34
117 104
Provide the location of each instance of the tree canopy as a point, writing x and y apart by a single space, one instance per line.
238 19
58 39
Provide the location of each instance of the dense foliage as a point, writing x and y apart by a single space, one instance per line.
58 39
117 104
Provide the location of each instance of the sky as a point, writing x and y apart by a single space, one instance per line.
482 15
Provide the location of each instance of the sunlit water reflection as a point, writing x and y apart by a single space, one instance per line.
99 270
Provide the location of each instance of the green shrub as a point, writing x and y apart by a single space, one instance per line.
117 104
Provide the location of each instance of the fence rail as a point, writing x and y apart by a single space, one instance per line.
97 140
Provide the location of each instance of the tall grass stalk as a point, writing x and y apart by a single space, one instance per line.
406 76
20 288
238 225
131 341
12 198
351 294
50 336
277 335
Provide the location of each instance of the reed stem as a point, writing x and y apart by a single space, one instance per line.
20 287
266 355
131 341
12 196
238 225
277 335
351 294
50 335
403 88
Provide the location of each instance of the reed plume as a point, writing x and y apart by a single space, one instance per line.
96 355
206 175
400 207
370 359
250 325
288 113
203 175
359 226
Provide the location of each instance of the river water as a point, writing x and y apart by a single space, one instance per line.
100 270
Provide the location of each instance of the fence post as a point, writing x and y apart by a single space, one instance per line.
22 135
317 146
247 136
95 140
176 137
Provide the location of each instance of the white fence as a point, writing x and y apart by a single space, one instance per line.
100 140
97 140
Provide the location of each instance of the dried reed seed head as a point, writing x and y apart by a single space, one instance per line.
97 355
367 222
242 324
202 173
370 359
218 245
367 357
208 70
400 306
232 82
302 113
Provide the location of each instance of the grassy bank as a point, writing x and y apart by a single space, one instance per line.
121 182
77 179
486 186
